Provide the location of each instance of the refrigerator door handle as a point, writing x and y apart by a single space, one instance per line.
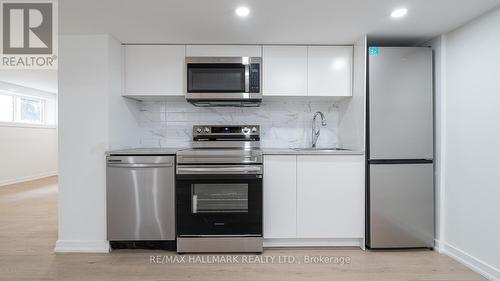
399 161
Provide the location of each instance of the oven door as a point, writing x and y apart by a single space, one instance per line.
219 205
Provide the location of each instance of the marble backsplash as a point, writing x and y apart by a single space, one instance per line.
283 123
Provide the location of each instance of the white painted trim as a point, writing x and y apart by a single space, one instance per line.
28 178
27 125
82 246
363 244
313 242
481 267
442 146
438 246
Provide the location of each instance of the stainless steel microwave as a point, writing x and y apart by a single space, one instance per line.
224 81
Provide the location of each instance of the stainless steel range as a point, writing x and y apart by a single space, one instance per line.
219 191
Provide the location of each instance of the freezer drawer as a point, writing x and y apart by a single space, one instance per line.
140 198
401 206
400 104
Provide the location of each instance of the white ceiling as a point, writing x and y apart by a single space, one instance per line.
40 79
270 21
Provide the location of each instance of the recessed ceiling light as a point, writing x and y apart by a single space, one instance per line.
242 11
399 13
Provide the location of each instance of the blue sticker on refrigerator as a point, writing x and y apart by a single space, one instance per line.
373 51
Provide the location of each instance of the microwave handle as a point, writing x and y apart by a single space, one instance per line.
247 78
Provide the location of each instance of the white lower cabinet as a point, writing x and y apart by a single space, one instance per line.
330 196
280 196
318 197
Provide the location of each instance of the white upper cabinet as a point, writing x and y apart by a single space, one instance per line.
154 70
330 196
284 70
324 71
223 51
329 71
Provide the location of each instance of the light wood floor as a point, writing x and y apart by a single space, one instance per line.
28 231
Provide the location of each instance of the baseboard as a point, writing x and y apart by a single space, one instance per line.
438 246
29 178
486 270
82 246
312 242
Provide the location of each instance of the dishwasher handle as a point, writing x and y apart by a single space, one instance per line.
139 165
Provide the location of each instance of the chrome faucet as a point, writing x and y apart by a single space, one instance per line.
317 130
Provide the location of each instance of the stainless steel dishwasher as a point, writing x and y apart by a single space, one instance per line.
140 198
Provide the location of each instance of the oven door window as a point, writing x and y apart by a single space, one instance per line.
219 198
216 78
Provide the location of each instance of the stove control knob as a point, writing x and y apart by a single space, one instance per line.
207 130
198 130
254 129
246 130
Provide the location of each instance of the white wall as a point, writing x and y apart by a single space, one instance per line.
27 153
93 118
83 140
352 111
471 153
123 114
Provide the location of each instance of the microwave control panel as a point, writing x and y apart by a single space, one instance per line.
255 78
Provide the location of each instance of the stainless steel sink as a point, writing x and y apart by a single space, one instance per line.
320 149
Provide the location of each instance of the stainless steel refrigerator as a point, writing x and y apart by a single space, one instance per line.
400 148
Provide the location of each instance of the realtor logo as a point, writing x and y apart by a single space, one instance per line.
27 28
28 31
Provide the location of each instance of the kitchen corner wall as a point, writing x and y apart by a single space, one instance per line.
352 111
92 117
283 124
467 114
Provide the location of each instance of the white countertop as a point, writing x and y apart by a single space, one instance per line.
290 151
265 151
146 151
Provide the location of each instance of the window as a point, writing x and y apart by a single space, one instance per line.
6 108
20 109
30 110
